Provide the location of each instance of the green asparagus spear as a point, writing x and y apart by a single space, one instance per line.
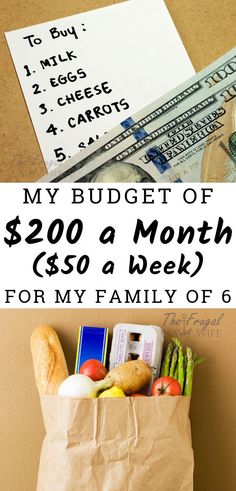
185 370
176 372
180 362
166 362
173 363
198 359
185 362
189 373
192 361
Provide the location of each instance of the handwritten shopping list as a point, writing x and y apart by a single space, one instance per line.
84 74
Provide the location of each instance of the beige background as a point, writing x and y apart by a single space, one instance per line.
207 28
213 405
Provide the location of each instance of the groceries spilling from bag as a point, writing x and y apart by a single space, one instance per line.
136 365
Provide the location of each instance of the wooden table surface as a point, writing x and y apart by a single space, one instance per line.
207 28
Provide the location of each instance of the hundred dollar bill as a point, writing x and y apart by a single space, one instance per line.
188 135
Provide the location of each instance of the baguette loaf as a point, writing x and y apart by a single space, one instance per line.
50 368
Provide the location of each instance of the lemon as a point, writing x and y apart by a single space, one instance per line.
113 392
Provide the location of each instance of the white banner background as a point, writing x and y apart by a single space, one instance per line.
217 272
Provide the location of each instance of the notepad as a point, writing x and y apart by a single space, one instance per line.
83 74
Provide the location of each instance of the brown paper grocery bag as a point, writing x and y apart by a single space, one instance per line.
127 444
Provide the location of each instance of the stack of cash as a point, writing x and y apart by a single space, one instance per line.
189 135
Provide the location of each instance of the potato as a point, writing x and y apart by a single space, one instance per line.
131 376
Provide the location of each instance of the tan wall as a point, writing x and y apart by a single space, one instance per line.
207 28
213 404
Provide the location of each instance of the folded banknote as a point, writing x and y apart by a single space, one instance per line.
188 135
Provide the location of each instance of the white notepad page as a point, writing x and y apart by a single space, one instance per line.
84 74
